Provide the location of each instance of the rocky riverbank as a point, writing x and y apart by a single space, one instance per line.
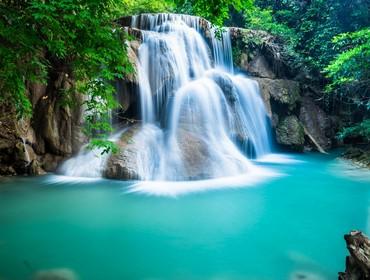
358 155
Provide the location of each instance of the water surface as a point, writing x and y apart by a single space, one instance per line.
287 227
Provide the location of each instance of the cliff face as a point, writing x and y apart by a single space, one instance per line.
36 145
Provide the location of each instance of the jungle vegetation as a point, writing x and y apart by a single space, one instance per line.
330 37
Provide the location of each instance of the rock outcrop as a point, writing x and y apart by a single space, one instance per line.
358 262
298 121
33 146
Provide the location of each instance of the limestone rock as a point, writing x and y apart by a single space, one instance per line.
260 54
316 122
284 93
49 162
290 133
259 67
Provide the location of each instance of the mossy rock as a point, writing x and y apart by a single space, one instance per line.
290 133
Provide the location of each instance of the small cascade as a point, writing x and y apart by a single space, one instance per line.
26 153
87 163
222 50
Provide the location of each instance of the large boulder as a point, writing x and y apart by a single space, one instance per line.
290 133
258 66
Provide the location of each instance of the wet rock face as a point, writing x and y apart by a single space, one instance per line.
358 262
290 133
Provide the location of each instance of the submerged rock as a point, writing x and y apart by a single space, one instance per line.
290 133
55 274
358 262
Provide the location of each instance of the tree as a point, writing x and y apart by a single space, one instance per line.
349 75
38 36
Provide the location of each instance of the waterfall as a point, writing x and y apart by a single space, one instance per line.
200 120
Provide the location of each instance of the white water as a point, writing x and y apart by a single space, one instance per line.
88 163
199 119
26 153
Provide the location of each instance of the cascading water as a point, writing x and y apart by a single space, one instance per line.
26 153
199 119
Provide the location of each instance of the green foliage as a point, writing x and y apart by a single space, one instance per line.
79 38
350 70
133 7
316 22
216 11
332 37
262 19
103 145
349 75
359 130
